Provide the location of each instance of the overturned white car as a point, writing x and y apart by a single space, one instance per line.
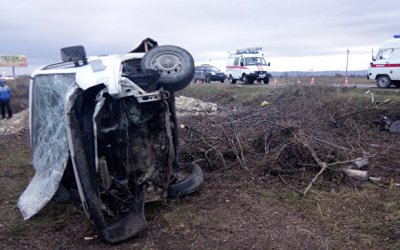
106 127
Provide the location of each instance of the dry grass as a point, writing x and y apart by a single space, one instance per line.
246 152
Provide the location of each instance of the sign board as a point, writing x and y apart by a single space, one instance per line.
13 60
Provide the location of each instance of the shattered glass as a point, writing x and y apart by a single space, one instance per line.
48 139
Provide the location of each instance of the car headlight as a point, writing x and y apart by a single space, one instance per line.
213 73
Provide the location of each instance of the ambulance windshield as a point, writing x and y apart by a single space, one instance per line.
255 61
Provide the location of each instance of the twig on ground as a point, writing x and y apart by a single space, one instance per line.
322 164
323 167
287 184
325 142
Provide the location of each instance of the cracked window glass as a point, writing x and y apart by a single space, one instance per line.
48 119
48 138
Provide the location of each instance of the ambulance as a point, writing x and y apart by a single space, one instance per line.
385 66
247 65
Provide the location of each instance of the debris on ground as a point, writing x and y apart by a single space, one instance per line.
294 138
191 106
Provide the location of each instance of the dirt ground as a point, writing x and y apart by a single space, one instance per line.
234 209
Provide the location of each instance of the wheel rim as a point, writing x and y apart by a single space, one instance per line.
168 64
383 81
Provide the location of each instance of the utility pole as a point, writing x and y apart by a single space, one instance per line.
346 80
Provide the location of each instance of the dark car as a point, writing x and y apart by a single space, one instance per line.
208 73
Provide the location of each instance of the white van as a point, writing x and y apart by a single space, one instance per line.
247 65
385 66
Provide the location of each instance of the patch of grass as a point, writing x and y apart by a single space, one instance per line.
52 215
18 158
213 92
287 197
373 212
173 217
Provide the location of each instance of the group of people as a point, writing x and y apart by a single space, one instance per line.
5 95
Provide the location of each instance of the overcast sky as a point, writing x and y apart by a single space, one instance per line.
307 35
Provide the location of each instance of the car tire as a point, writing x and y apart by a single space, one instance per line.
266 80
231 80
245 79
188 185
383 81
208 79
222 81
175 66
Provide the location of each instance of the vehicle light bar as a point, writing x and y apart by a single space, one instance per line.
254 50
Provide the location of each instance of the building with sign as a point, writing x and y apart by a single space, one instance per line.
13 60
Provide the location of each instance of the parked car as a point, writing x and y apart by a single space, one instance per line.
103 129
208 73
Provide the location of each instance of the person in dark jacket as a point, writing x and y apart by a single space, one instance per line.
5 95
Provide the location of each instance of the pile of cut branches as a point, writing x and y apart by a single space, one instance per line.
304 136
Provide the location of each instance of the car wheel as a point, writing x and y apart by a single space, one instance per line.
231 80
208 79
383 81
222 81
175 66
188 184
266 80
245 79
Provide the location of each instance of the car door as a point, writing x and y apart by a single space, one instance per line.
203 73
381 66
197 73
236 69
395 64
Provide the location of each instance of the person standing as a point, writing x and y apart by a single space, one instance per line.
5 95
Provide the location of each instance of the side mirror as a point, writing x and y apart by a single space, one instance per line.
269 64
74 54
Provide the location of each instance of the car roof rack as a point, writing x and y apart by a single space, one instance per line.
254 50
